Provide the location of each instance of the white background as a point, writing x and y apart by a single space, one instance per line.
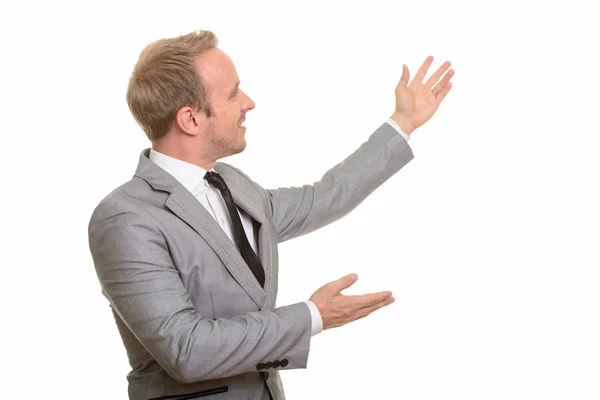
489 238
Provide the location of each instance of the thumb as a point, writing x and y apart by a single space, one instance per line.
343 283
404 78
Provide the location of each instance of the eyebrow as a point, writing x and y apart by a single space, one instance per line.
235 89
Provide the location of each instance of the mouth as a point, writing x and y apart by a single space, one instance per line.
240 124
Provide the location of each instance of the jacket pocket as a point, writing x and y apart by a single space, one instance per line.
195 395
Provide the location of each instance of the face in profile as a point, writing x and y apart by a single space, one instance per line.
225 134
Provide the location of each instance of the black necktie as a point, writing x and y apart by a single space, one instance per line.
240 236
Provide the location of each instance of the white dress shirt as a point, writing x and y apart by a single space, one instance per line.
192 178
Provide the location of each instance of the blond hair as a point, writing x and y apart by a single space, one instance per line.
165 78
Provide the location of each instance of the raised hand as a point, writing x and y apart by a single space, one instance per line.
337 309
416 102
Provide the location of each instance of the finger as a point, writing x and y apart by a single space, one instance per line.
370 299
343 283
437 75
423 70
440 85
404 78
373 308
444 92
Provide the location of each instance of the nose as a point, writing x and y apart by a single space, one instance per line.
247 103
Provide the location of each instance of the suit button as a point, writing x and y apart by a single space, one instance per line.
260 366
276 364
268 365
284 363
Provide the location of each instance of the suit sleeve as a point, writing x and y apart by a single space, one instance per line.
300 210
143 286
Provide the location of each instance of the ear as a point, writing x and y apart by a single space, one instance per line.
191 121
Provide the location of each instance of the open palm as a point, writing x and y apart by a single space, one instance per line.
416 102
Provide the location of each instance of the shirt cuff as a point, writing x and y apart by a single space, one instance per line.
316 320
396 127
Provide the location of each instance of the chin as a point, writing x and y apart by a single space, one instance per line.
240 147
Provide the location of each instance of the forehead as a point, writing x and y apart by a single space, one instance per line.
218 72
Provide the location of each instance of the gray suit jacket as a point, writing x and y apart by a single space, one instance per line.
193 319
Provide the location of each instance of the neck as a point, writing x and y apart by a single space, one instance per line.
184 152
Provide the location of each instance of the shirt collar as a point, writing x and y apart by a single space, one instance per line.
189 175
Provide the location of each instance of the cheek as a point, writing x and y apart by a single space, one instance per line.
235 117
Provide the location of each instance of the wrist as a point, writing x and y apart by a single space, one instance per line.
404 124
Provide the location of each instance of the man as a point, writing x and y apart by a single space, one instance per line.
186 251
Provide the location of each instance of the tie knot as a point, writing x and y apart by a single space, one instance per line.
216 180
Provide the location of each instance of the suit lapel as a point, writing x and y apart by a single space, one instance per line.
183 204
258 220
256 212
